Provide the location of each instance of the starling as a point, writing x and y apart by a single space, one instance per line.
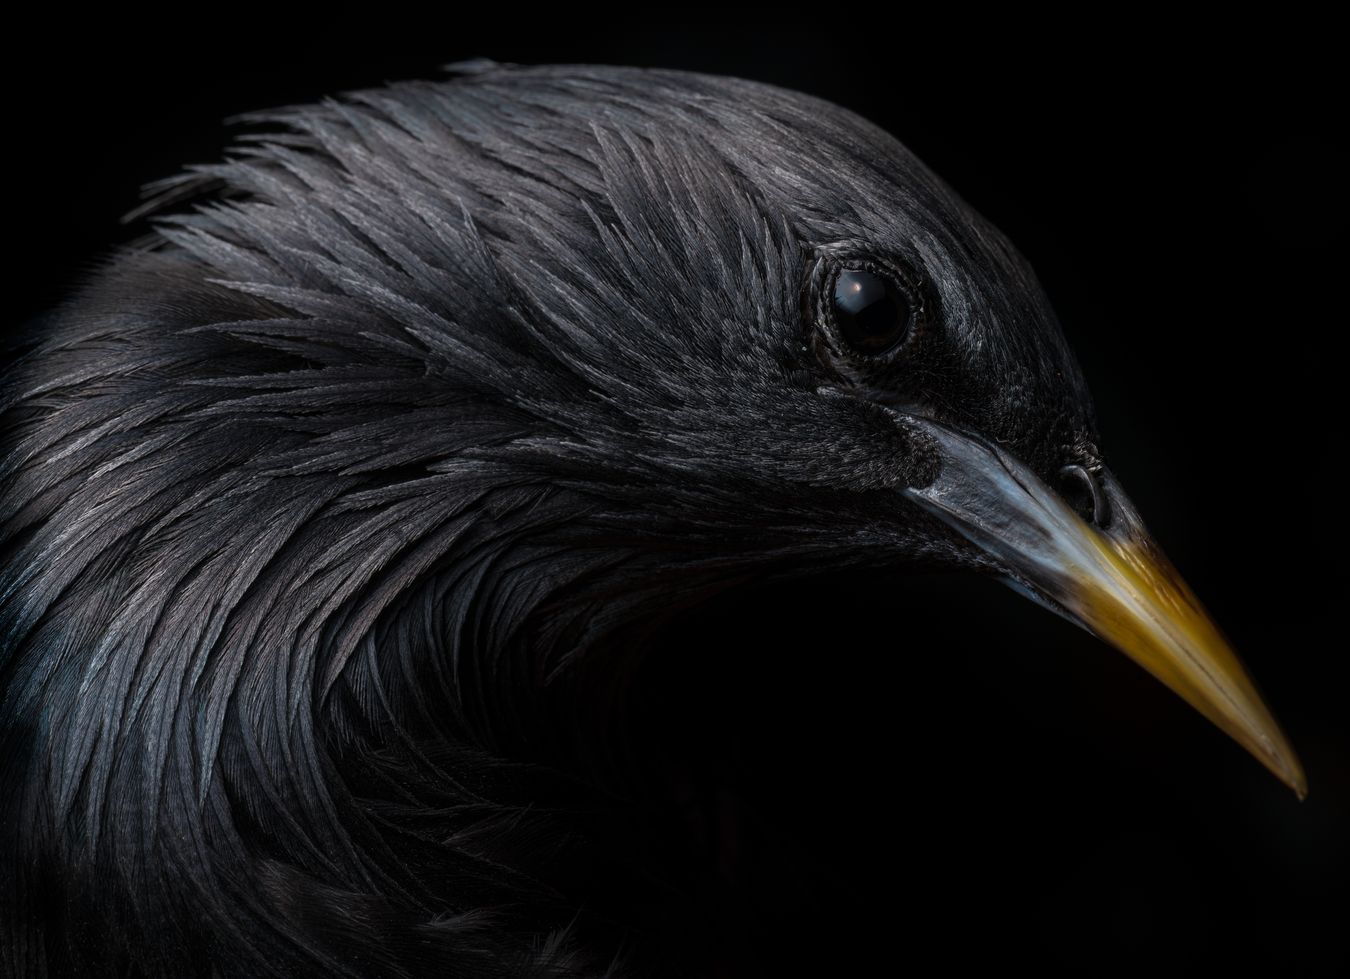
313 501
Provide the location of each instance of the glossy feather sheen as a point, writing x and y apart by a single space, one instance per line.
311 508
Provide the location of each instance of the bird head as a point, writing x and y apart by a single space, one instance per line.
788 346
571 346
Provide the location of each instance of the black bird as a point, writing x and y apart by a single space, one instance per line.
337 510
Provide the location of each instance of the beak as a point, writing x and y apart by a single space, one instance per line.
1110 579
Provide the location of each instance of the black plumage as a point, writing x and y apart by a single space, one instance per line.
336 513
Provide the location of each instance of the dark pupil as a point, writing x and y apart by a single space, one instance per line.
872 314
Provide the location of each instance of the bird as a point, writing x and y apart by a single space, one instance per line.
337 508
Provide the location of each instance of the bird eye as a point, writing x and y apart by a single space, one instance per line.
872 314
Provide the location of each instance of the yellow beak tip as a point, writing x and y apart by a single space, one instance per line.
1296 780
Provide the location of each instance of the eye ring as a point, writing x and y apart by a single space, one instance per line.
866 309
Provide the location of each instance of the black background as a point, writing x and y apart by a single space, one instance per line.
916 766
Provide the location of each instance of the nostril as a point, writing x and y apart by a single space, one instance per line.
1083 493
